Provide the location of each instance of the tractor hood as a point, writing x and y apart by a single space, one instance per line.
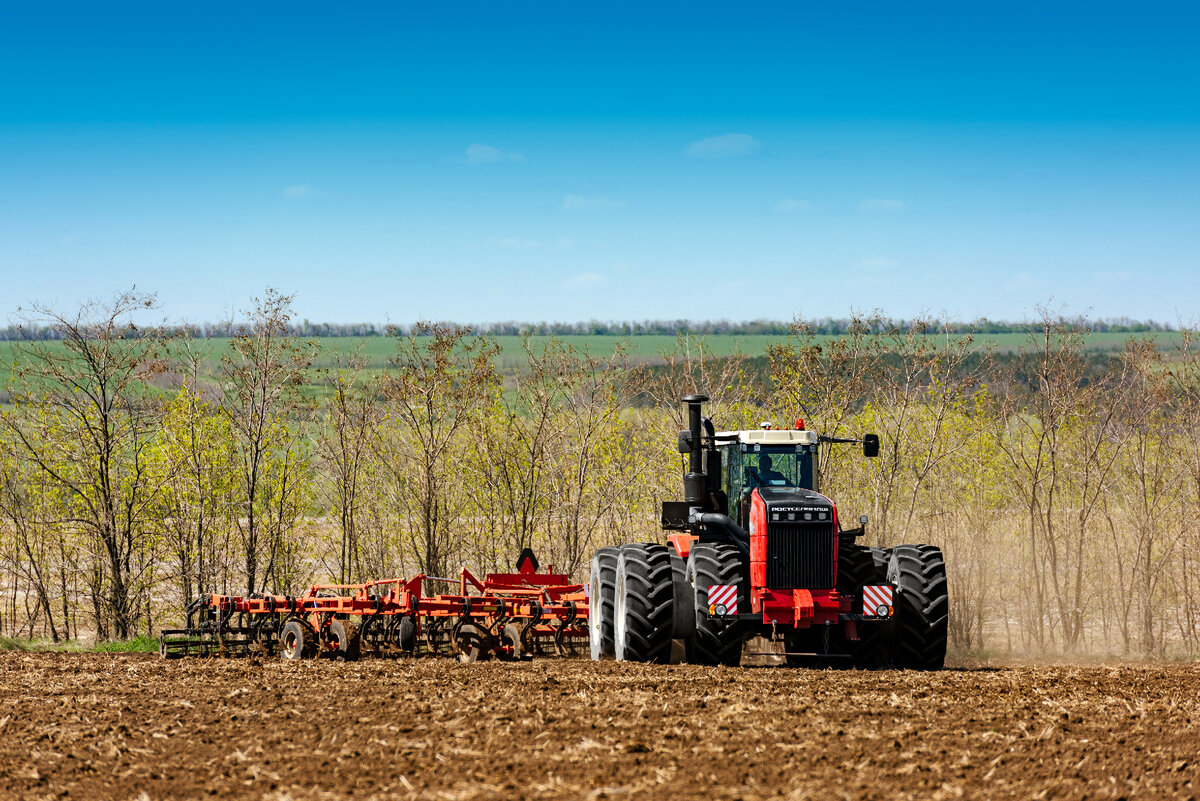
795 504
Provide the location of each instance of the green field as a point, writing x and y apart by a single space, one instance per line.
377 350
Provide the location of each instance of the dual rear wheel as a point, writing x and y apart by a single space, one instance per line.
648 597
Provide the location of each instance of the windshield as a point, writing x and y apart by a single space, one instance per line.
744 469
773 467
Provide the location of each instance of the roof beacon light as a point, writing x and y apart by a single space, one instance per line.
766 425
799 424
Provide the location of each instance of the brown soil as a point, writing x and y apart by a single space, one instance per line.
101 726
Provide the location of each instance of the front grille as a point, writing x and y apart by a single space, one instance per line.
800 556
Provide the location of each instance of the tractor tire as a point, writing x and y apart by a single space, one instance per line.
294 641
715 641
684 624
644 598
343 641
600 595
859 567
922 606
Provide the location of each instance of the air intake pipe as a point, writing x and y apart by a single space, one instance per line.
717 522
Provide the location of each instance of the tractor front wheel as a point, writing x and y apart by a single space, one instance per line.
922 604
716 640
859 567
644 610
601 612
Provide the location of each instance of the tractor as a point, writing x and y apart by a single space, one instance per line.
755 550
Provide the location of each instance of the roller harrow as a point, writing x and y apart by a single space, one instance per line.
509 616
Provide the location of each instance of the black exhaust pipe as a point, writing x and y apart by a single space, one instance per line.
695 482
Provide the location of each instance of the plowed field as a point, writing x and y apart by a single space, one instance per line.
101 726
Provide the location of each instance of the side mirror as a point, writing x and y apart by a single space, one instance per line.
685 442
870 445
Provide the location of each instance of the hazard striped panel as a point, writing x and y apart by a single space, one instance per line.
877 600
722 599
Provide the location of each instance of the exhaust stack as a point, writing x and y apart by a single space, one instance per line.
696 481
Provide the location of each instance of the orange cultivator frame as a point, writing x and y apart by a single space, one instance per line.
507 615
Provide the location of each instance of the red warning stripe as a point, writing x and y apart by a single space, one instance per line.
723 595
876 596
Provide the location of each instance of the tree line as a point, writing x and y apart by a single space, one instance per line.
827 326
134 478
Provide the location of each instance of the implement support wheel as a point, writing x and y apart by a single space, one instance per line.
472 643
343 640
510 643
293 640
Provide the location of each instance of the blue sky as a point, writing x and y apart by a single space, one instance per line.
572 160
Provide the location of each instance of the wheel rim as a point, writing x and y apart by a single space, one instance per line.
595 611
289 644
619 615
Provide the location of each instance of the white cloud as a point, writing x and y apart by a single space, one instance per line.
581 202
299 190
880 204
790 205
728 146
486 154
586 281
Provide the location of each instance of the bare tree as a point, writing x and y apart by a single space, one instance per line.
344 445
441 376
262 371
84 419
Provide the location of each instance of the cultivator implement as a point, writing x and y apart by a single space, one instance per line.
508 616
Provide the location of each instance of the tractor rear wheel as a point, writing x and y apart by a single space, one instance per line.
644 596
922 605
684 624
601 612
716 640
859 567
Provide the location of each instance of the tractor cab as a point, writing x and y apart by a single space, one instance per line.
772 459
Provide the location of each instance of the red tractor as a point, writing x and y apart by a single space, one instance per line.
756 550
